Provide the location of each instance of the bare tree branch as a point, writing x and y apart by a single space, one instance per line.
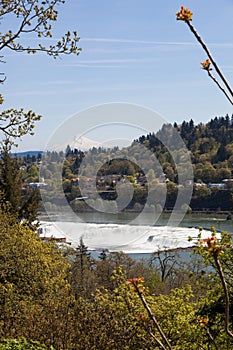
185 15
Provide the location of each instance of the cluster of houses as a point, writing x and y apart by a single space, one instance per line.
111 180
37 185
226 184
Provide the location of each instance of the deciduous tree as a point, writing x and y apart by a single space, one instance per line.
20 19
35 294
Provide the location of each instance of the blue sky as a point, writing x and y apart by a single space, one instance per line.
134 52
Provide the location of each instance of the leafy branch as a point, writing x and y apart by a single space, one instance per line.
36 16
30 17
137 284
214 249
16 123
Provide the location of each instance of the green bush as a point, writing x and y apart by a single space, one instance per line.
21 344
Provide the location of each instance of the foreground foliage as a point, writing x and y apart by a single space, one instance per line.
66 299
34 288
23 344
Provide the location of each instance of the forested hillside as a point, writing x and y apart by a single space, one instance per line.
150 159
210 146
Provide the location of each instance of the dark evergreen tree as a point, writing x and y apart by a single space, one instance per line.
191 125
10 179
227 121
22 202
81 279
221 154
30 202
68 151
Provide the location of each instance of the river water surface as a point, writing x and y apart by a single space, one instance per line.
115 232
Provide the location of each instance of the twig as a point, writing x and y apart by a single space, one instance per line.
153 318
205 48
220 87
211 338
227 298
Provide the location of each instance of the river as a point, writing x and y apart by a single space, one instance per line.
115 232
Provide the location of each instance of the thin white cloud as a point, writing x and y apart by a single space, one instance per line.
151 42
123 60
116 87
132 41
95 65
57 82
107 63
